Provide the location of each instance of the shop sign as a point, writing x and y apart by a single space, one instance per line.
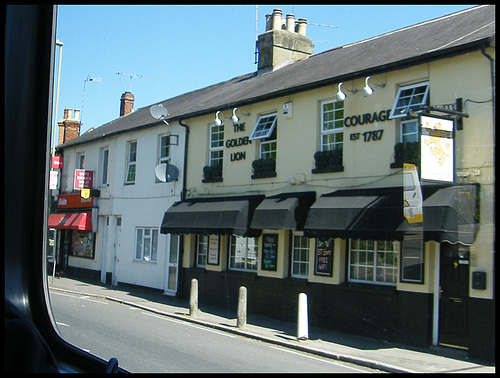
366 119
73 201
53 180
83 179
437 149
269 252
238 142
57 162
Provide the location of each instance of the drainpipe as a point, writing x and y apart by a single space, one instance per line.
492 75
180 271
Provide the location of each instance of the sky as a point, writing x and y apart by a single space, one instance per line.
159 52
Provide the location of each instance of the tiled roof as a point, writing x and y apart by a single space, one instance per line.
448 35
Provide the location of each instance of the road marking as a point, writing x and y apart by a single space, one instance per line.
189 324
79 296
63 324
315 358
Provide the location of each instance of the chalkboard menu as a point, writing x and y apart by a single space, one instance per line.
324 257
269 251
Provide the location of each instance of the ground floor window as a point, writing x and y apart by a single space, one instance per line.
373 261
243 253
201 251
146 246
82 244
300 256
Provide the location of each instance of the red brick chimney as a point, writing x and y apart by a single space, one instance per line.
69 127
126 103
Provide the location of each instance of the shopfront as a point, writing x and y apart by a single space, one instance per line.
75 224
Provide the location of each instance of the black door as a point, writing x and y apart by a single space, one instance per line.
453 304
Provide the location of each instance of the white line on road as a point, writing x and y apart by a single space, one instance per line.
63 324
189 324
315 358
79 296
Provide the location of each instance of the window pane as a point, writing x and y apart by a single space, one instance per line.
264 127
138 247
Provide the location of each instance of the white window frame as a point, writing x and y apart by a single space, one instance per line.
412 98
146 244
162 158
300 255
201 250
334 131
364 260
104 166
248 250
131 162
405 134
216 147
265 126
80 160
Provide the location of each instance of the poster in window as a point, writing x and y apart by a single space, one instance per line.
269 252
324 257
213 250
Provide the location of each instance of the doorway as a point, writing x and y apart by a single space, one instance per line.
171 266
454 290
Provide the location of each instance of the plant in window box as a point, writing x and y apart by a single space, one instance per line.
328 161
264 168
408 152
212 173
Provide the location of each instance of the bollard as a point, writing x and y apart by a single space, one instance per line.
242 307
193 299
302 327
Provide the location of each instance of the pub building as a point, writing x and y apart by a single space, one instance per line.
362 176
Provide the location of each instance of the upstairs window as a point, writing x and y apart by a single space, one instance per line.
131 162
164 149
408 98
104 166
216 145
332 125
264 127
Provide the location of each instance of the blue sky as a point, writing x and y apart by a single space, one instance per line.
177 49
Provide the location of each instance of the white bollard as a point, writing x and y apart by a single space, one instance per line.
242 307
193 298
302 321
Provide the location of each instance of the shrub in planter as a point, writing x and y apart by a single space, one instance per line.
328 159
263 165
212 171
407 152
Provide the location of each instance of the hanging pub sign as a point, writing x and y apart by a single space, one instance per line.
83 179
57 162
437 149
324 257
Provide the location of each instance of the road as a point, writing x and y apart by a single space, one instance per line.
146 342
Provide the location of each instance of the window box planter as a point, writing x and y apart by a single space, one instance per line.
328 161
212 173
263 168
406 153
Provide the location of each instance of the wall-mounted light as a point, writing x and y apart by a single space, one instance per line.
235 119
340 95
367 90
217 121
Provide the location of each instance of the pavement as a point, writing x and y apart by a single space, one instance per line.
375 354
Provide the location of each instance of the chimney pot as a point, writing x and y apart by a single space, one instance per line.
68 113
290 22
301 26
277 19
76 115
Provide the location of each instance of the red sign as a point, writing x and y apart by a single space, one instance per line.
73 201
84 179
57 162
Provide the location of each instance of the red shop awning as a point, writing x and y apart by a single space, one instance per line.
71 221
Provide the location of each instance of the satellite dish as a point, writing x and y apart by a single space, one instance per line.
166 172
159 112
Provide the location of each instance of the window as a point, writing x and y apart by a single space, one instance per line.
264 127
80 160
164 149
268 146
408 98
104 166
409 131
243 253
201 251
146 244
300 256
332 125
131 162
216 145
373 261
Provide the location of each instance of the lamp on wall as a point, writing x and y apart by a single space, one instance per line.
217 121
367 90
235 119
340 95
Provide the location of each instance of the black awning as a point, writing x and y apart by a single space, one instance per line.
212 216
359 213
451 214
286 211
